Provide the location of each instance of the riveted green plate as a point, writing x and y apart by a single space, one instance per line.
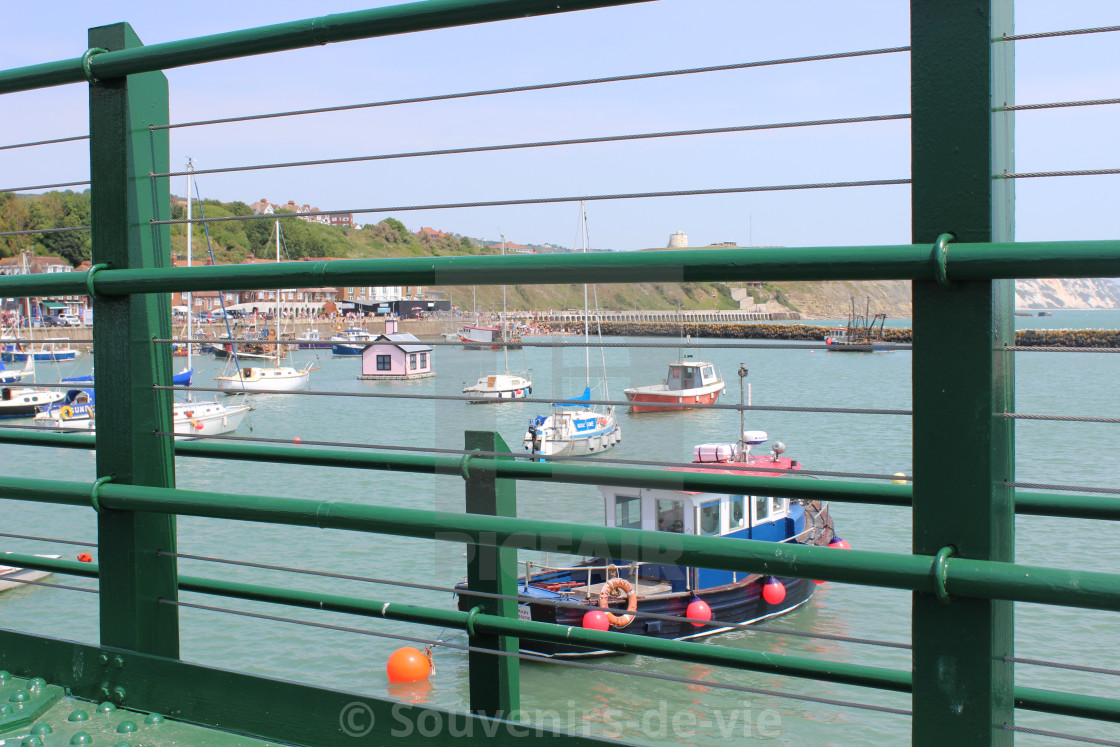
22 701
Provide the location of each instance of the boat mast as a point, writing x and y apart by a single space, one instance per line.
189 295
586 323
742 412
502 322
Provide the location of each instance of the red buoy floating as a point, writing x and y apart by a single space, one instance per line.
408 665
85 557
773 591
838 543
595 620
698 609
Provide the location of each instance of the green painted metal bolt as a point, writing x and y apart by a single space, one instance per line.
31 742
4 677
153 719
5 710
41 730
118 662
127 727
36 684
78 715
106 707
103 660
81 738
19 696
119 694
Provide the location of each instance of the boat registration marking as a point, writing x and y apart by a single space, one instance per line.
524 613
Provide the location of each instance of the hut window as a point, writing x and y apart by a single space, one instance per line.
628 512
423 360
709 518
384 363
412 361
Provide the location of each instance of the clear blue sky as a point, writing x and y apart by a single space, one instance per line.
664 35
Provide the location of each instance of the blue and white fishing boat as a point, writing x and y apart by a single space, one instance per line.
24 402
16 375
350 341
614 594
75 411
183 378
572 429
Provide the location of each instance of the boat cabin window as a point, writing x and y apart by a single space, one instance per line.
776 507
628 511
709 518
686 377
738 511
670 515
761 509
709 373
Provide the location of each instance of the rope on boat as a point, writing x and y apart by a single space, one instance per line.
548 660
547 602
1061 735
537 144
540 87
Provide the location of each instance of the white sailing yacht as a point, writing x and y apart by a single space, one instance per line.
266 378
202 418
575 428
501 387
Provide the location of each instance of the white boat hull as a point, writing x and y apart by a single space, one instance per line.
265 379
573 433
194 419
499 388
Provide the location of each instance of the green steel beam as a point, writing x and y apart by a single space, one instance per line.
977 579
963 261
495 681
963 377
123 151
281 37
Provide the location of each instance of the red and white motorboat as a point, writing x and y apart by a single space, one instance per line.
689 383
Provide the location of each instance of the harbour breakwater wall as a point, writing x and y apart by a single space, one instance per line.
1064 338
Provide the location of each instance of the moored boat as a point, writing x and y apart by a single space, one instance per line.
75 411
687 384
50 349
500 387
480 338
24 402
12 577
265 378
628 592
350 341
16 375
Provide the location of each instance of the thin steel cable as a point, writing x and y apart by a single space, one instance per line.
45 186
1057 349
540 400
53 586
1060 418
44 142
1055 105
547 602
544 201
44 230
1060 665
538 87
542 659
1050 34
1074 488
1038 174
522 455
1061 735
48 539
574 344
537 144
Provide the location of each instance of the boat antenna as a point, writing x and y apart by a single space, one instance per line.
742 409
502 322
586 325
189 296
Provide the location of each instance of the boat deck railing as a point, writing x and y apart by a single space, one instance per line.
963 576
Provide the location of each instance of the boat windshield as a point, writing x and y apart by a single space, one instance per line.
670 515
709 518
628 512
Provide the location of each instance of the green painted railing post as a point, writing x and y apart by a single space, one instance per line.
134 577
963 379
495 681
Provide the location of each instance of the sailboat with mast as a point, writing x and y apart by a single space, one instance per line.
267 378
575 427
501 387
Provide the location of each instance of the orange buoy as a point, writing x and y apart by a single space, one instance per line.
408 665
698 609
773 591
85 557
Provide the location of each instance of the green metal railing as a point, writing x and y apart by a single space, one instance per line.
962 259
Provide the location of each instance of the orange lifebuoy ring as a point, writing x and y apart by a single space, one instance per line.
618 621
66 412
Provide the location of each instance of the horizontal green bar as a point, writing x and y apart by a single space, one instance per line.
281 37
1027 504
1045 701
1059 259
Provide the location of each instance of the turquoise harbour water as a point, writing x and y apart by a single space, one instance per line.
625 707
